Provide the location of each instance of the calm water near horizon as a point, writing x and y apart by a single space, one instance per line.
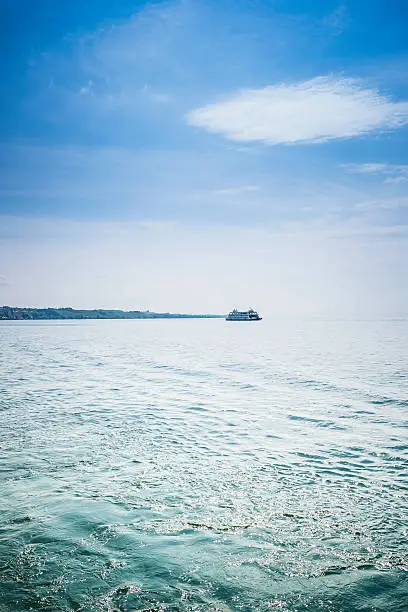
204 465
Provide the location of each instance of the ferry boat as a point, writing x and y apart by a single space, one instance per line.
246 315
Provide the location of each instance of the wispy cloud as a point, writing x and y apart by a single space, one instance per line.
366 168
393 173
79 182
237 190
338 20
384 204
396 179
318 110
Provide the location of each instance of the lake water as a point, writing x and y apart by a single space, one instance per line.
204 465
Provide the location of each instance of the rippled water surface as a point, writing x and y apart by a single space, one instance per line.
203 465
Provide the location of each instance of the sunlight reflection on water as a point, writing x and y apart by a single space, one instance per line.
199 465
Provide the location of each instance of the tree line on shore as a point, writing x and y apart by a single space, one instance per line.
11 313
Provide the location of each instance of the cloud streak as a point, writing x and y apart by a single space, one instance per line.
394 173
313 111
238 190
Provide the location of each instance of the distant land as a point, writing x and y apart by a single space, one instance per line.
9 313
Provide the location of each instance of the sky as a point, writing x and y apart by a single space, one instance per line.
197 155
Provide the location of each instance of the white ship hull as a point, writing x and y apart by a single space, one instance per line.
246 315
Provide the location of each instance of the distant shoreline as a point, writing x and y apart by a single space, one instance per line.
11 313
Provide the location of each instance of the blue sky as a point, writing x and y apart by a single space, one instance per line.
198 154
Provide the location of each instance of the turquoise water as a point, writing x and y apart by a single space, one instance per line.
204 465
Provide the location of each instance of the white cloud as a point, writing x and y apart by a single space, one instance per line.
318 110
366 168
